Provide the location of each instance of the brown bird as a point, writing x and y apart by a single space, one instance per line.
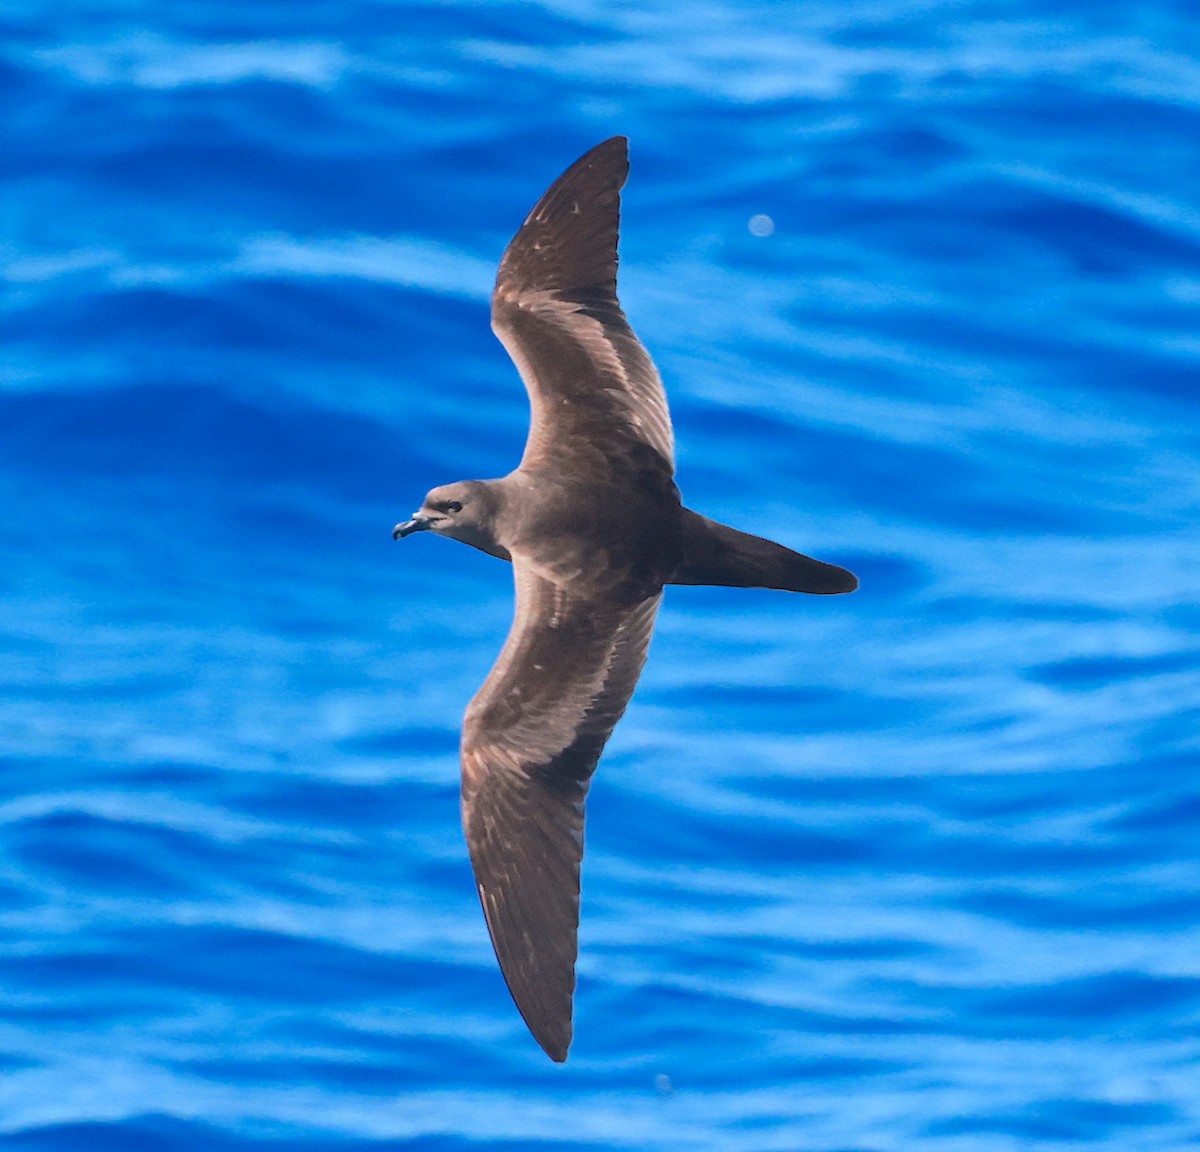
594 526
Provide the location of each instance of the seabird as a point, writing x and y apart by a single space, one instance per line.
594 526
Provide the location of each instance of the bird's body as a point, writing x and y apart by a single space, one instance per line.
594 526
614 534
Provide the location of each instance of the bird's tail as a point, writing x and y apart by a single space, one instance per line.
717 554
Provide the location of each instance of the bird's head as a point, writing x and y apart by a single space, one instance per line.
463 511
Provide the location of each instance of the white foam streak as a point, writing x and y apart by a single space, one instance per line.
157 62
404 260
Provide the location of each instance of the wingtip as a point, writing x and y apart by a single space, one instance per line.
609 153
568 242
553 1036
615 143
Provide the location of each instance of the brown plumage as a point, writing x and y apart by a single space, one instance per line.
594 526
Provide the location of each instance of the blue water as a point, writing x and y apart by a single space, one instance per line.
914 870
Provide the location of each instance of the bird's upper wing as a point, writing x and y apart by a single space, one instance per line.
555 309
531 741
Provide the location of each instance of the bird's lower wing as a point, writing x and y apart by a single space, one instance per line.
531 741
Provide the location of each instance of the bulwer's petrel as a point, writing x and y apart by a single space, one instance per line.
594 526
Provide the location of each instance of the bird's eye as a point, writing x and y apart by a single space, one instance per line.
452 506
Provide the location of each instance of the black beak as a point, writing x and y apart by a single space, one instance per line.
417 524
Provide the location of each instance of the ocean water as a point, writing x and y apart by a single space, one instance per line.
914 870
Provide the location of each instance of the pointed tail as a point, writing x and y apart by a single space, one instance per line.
717 554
